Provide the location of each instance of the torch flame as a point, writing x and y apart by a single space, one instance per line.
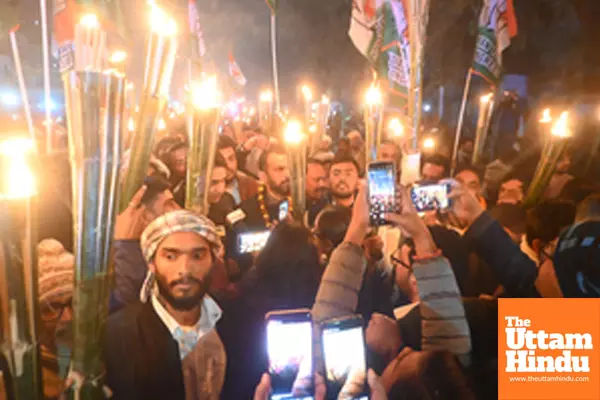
373 96
131 125
266 96
546 116
486 98
118 57
429 143
90 21
293 133
396 127
205 94
561 128
325 100
307 93
161 23
20 182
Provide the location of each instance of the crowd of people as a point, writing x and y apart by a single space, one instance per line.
188 305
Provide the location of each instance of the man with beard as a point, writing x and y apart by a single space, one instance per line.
262 211
317 188
220 201
343 177
239 185
166 347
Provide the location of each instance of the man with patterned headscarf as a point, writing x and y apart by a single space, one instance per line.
166 347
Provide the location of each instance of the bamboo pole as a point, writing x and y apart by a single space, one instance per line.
22 86
461 118
46 64
274 57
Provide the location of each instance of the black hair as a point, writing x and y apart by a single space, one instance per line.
589 207
313 160
275 149
438 159
226 142
288 267
333 222
471 168
547 219
576 190
156 184
343 158
220 161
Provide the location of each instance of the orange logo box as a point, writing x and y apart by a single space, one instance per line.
549 349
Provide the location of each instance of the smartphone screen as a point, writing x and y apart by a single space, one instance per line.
431 197
289 347
284 209
251 242
382 191
344 355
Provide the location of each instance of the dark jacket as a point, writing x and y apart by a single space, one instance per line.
514 270
142 358
130 272
242 330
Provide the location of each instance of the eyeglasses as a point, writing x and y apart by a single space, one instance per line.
53 311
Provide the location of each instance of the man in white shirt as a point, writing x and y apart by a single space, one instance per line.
167 346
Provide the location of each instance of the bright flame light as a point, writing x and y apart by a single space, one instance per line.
90 21
252 111
396 127
325 100
162 125
546 116
161 23
486 98
312 129
118 57
205 94
293 133
131 125
429 144
561 128
19 179
307 93
266 96
373 96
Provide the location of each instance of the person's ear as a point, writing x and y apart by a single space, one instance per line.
536 246
152 267
262 176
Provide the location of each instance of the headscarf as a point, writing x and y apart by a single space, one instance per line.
167 224
577 260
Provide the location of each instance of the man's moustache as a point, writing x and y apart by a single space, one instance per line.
186 280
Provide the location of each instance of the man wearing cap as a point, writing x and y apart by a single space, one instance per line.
166 347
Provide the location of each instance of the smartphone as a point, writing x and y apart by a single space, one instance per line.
382 191
345 358
289 349
251 242
431 197
284 209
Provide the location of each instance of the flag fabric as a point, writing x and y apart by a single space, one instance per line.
379 30
236 72
196 28
497 26
272 5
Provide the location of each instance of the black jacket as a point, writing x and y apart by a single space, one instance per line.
142 358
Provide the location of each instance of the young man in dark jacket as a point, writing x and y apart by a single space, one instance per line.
167 347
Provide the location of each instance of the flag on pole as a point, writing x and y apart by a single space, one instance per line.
497 26
272 5
196 27
379 30
235 71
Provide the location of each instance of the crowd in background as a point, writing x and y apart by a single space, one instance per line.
187 308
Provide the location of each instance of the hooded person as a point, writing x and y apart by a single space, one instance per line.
167 346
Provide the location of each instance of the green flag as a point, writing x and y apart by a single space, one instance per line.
497 26
272 5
